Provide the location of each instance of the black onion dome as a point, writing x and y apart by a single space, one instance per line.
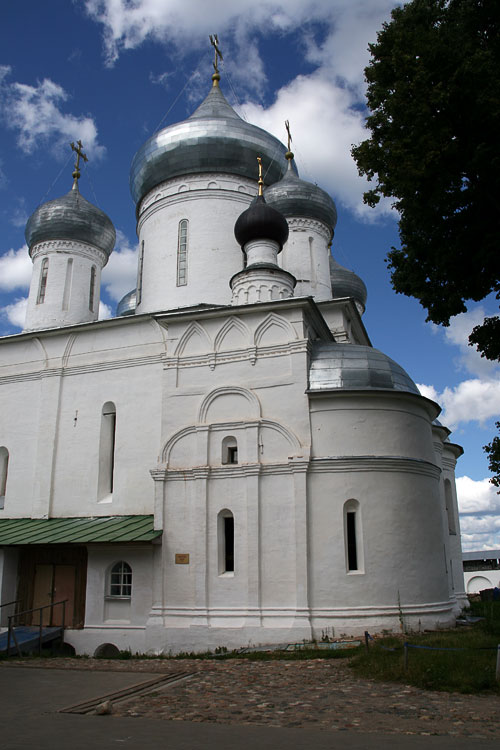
71 217
293 196
346 283
261 222
213 139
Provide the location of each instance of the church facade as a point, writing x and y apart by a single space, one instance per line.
229 460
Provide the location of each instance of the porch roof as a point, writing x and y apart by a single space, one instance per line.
102 529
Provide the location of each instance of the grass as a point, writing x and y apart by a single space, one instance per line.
468 671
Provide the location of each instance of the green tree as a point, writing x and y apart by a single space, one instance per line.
434 100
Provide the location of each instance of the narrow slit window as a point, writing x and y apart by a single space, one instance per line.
352 552
42 287
450 511
67 284
225 523
107 451
353 537
139 275
120 580
182 253
4 468
92 289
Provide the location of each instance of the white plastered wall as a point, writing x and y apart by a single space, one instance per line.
211 204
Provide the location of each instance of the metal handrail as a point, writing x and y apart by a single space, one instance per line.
15 601
12 634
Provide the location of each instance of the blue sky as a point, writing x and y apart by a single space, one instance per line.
111 71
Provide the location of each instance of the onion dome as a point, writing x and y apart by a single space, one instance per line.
346 283
355 367
261 222
296 197
127 304
71 217
213 139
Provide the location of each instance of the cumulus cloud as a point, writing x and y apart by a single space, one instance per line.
120 274
16 312
15 269
36 114
325 108
469 359
324 126
472 400
479 506
105 311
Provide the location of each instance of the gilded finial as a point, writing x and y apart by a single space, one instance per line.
214 41
289 154
261 181
79 154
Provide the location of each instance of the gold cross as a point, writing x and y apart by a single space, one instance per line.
261 181
214 41
79 153
287 126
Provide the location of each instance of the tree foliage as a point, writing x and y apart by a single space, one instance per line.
434 100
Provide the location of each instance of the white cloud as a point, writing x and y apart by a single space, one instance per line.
105 311
324 123
16 312
325 108
15 269
479 506
477 496
469 359
36 113
120 274
472 400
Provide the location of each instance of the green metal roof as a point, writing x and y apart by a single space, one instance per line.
15 531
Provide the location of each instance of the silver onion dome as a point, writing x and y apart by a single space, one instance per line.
355 367
71 217
127 304
213 139
293 196
346 283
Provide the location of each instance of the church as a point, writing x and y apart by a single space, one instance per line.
228 461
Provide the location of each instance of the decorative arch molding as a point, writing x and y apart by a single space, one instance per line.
233 323
68 349
273 320
44 356
220 393
195 329
171 442
289 436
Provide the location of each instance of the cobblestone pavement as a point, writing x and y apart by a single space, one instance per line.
321 693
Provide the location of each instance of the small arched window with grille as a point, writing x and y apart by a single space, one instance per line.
120 580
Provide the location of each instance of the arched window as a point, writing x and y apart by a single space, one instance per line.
4 468
120 580
92 289
352 537
450 510
42 286
107 451
138 293
225 539
229 450
67 284
182 245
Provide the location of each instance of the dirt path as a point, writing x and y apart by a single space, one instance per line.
321 694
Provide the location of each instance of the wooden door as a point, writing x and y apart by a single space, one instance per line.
42 593
64 588
54 583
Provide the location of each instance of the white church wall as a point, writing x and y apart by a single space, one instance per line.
306 256
211 245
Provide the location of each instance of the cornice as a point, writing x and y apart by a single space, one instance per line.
342 464
69 247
